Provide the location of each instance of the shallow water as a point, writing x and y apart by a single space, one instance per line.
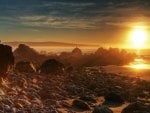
139 64
141 70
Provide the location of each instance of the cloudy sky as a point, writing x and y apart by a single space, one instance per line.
85 21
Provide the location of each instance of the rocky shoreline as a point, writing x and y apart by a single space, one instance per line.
82 90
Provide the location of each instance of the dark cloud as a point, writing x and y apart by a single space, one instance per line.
72 14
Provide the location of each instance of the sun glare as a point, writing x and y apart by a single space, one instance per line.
139 37
139 64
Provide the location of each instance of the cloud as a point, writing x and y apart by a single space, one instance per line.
73 14
56 22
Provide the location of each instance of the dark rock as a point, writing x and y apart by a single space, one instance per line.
52 66
25 53
81 105
25 66
136 107
113 98
88 99
102 109
76 52
6 102
6 60
54 111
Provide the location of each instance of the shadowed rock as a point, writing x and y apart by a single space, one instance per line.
24 66
76 52
88 99
52 66
6 60
113 99
102 109
136 107
26 53
81 105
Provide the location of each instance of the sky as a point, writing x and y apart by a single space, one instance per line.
103 22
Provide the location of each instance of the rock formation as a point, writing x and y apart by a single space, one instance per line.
24 66
52 66
6 60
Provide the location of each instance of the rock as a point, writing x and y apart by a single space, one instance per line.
2 93
52 66
76 52
25 53
102 109
88 99
113 98
7 102
6 60
81 105
25 66
20 111
136 107
54 111
8 109
65 104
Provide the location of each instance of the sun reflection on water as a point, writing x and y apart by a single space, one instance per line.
139 64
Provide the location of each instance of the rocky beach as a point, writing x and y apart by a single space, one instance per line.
83 90
74 56
53 87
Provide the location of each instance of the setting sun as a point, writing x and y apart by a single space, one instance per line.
139 37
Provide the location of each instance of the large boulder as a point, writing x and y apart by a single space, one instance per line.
26 53
52 66
6 60
81 105
76 52
113 99
136 107
102 109
25 66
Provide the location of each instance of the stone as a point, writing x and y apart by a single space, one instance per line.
76 52
52 66
102 109
88 99
81 105
113 98
25 53
6 60
25 66
7 102
136 107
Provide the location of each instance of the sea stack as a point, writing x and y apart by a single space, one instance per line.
6 60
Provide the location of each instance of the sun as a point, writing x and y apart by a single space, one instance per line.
139 37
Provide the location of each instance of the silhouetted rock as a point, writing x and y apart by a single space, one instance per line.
52 66
81 105
24 66
112 56
113 98
6 60
136 107
76 52
102 109
25 53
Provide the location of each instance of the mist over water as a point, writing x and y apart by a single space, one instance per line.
58 50
139 68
